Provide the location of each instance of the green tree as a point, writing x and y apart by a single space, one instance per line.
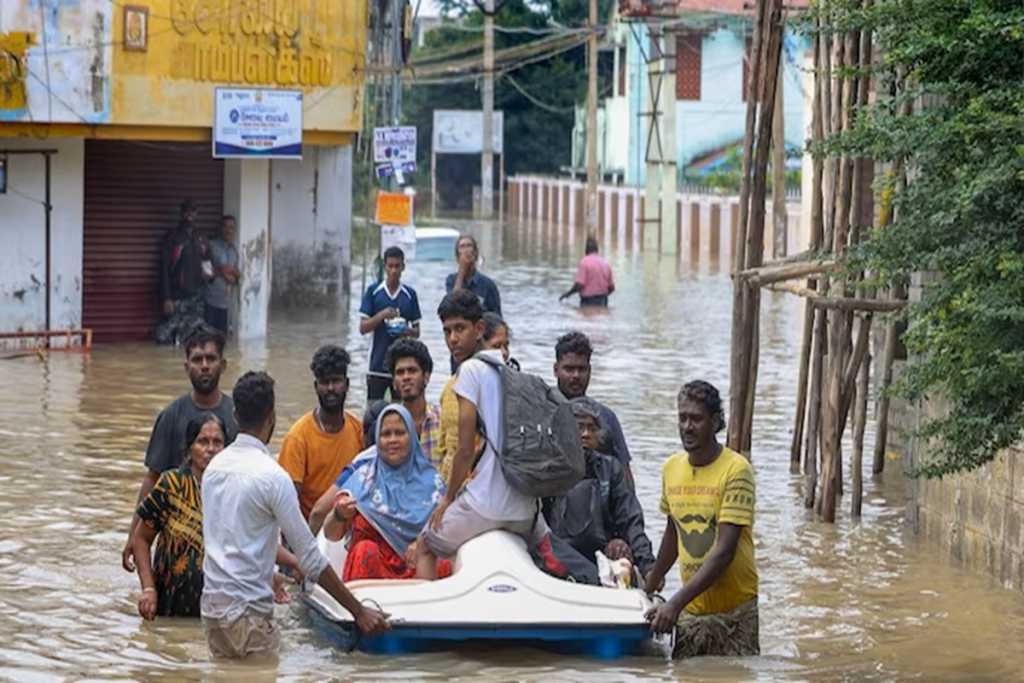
961 212
537 138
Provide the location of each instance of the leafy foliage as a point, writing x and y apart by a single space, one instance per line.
960 214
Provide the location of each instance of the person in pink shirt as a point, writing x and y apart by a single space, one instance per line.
594 280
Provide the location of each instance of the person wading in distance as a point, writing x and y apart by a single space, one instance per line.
594 280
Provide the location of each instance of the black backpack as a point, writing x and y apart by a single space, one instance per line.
541 454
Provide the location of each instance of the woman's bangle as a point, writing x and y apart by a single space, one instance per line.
149 589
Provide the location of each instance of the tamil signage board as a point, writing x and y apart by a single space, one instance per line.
394 151
460 131
393 208
261 123
394 145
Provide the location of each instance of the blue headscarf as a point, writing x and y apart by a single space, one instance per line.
397 501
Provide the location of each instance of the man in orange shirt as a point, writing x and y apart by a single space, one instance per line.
326 439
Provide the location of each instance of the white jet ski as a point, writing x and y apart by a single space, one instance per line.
495 593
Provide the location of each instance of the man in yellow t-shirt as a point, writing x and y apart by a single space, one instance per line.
324 440
707 493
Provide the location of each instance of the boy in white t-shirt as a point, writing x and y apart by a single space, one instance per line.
488 501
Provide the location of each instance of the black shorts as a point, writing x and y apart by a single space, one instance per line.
601 300
377 387
216 318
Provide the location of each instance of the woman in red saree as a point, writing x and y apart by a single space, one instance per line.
384 499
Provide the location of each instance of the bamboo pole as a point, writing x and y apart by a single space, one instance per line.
817 231
746 299
882 405
779 236
755 233
834 303
839 333
739 362
801 389
765 275
860 352
814 411
860 413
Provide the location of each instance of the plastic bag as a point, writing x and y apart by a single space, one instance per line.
614 574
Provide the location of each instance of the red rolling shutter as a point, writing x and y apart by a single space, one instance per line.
132 194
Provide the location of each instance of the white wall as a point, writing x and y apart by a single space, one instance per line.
246 198
311 221
23 236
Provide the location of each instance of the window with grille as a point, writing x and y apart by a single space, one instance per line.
688 50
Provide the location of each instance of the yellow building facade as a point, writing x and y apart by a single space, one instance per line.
120 97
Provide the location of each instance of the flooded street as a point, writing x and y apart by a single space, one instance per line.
853 601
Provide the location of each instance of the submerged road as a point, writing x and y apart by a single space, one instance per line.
855 602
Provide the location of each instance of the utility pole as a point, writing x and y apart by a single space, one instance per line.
395 114
487 149
591 199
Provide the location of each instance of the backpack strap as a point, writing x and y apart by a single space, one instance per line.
480 426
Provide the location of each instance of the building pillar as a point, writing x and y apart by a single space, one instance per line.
247 197
311 223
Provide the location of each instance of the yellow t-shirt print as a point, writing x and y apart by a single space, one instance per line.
697 500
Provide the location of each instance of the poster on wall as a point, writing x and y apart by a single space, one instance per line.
259 123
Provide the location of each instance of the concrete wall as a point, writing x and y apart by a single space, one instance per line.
976 518
311 219
718 118
245 197
23 236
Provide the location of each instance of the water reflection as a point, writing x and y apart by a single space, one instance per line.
849 601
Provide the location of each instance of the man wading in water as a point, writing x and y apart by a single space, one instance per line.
248 502
204 363
707 492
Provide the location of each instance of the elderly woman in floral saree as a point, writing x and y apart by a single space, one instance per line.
384 500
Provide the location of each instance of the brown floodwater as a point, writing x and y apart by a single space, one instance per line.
852 601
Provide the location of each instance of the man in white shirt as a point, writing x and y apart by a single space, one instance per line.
247 501
488 502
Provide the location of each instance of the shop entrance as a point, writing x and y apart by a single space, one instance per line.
132 193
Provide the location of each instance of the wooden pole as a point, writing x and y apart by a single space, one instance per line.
743 379
590 204
839 333
814 411
860 413
433 183
882 427
487 105
801 389
766 275
817 233
831 303
860 352
779 237
739 362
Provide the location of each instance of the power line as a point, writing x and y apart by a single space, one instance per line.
554 109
